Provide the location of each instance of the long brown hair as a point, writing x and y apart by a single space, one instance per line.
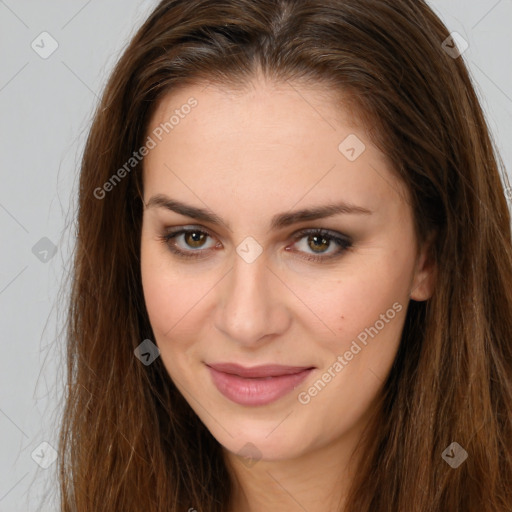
129 441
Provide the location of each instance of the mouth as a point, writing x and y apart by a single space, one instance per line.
257 385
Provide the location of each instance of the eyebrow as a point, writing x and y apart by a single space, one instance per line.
278 221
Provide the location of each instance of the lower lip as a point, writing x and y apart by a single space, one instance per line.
245 391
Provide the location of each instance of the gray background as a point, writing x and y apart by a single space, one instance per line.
46 108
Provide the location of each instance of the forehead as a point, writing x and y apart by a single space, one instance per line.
262 100
265 144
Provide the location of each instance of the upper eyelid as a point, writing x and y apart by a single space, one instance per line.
210 232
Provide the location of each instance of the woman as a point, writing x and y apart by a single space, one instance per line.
293 272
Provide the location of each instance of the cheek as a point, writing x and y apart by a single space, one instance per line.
176 300
167 315
167 301
160 286
367 312
370 293
154 285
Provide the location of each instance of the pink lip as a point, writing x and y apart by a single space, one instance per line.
258 385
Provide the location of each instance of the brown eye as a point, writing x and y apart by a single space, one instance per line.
312 244
188 243
194 238
318 243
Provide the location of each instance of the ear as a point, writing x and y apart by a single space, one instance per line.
424 279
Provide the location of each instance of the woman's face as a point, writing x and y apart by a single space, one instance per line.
278 337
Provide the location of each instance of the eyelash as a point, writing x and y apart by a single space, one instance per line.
343 241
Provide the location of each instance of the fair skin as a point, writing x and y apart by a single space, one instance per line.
247 156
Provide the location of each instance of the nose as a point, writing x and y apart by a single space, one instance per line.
251 307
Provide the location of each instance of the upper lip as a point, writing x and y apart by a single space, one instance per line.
268 370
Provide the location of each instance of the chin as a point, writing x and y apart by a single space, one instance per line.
260 449
261 441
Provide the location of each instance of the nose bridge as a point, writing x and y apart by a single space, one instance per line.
249 308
